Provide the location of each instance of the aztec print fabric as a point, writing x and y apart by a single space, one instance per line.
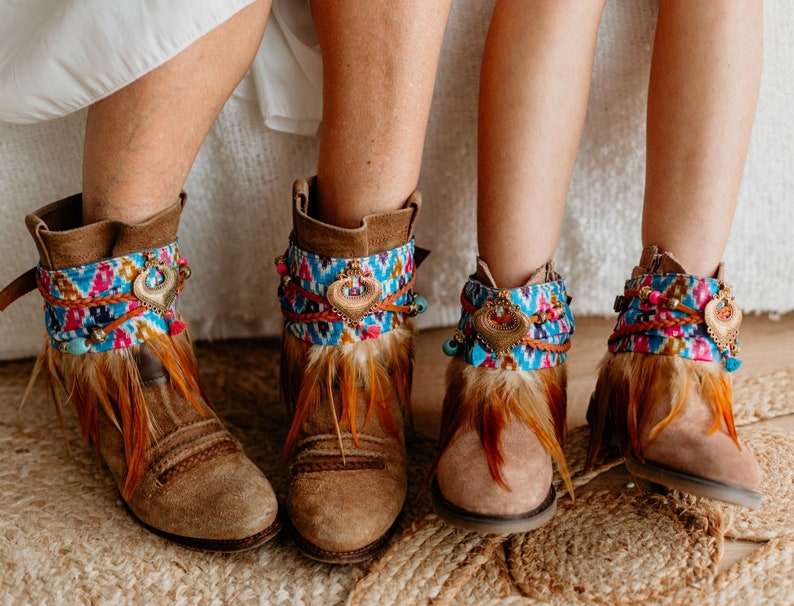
314 273
97 281
690 341
538 298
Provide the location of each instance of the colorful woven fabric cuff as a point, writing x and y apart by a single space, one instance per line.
525 328
678 315
115 303
330 301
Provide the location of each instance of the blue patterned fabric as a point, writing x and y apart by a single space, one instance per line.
532 300
314 273
105 278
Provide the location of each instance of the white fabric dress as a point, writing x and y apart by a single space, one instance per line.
58 56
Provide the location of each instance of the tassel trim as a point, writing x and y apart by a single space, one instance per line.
487 401
630 386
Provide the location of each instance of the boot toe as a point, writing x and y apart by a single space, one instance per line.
225 504
344 516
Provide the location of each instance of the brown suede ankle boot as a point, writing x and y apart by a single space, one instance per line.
503 419
347 358
664 388
120 353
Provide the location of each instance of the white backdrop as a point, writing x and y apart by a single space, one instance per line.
238 213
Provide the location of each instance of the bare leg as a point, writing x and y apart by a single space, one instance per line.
379 68
141 141
534 87
702 96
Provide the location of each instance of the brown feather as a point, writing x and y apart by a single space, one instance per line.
631 385
377 370
110 383
487 400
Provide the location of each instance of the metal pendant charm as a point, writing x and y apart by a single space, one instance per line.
354 294
723 318
160 296
500 324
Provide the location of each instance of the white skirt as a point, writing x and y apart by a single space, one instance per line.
59 56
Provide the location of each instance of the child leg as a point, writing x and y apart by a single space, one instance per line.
504 412
665 385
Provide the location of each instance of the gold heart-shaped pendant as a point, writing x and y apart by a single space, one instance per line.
160 297
500 324
723 319
354 294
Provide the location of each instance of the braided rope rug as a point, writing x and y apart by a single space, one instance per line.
66 538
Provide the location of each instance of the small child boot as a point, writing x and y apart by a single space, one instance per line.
119 352
664 387
504 413
347 299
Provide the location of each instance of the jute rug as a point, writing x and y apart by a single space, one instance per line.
65 537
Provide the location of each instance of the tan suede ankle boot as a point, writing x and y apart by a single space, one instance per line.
120 353
347 359
664 388
503 419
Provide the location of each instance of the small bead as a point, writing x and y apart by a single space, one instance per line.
185 271
282 269
77 346
421 303
672 304
654 296
645 291
98 335
450 347
182 262
554 314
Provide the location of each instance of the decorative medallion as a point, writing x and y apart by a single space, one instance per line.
354 294
723 318
160 295
500 324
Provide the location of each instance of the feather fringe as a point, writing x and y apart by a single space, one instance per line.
110 383
379 369
631 385
488 400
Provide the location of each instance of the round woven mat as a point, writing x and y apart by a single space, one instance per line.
432 561
765 577
774 449
65 536
763 396
616 548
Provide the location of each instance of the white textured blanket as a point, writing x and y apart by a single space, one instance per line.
238 214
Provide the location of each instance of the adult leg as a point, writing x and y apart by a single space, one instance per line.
348 382
379 68
504 412
141 141
110 262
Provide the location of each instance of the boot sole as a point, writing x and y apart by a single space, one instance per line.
215 545
696 485
493 524
338 557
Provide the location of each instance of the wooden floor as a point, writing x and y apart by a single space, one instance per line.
767 345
